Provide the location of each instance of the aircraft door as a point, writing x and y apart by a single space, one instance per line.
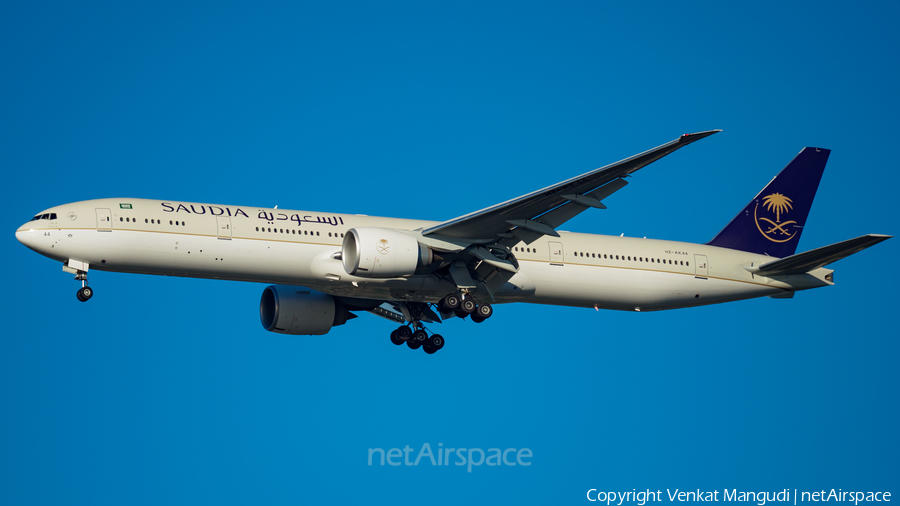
556 253
701 267
223 227
104 220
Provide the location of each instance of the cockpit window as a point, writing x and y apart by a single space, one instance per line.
45 216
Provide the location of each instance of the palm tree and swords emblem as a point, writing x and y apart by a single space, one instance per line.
383 247
779 204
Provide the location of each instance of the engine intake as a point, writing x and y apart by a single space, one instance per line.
383 253
297 310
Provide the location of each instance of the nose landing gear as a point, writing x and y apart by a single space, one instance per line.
85 292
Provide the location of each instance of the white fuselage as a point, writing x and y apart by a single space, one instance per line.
298 248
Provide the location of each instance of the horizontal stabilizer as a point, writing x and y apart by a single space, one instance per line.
819 257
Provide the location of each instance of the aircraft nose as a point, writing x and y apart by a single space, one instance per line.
25 235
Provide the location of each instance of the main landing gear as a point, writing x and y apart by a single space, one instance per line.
85 292
416 336
417 339
463 306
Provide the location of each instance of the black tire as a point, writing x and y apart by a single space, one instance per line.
459 313
449 303
413 344
436 341
420 335
85 293
396 340
477 318
429 349
467 306
404 333
484 311
78 294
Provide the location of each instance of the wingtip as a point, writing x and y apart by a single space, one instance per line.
696 136
704 133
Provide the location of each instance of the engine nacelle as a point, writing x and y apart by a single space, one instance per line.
382 253
298 310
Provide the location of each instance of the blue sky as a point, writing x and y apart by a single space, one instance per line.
164 390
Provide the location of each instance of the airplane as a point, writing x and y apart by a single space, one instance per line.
324 268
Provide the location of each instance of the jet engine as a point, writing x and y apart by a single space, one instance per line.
383 253
298 310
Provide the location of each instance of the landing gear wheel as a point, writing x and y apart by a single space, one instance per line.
403 333
467 306
420 335
449 303
484 311
428 348
396 340
436 341
459 313
84 293
477 318
413 344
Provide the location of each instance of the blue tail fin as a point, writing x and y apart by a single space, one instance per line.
772 222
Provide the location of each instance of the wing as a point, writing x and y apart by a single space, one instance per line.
538 213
